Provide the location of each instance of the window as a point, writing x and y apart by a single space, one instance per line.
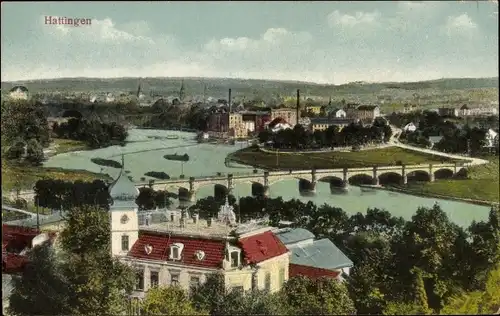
282 276
174 278
125 243
139 280
154 278
268 281
194 282
235 259
175 253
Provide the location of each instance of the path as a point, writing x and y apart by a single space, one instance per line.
13 209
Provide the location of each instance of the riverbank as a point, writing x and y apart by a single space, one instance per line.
407 190
389 156
18 176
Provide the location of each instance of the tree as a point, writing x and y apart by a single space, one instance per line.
323 296
34 152
99 284
41 288
171 300
16 151
485 302
24 120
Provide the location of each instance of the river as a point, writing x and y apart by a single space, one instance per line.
208 159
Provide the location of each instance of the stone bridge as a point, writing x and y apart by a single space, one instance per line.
307 178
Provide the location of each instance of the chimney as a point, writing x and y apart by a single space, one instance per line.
298 106
209 222
172 217
229 101
196 217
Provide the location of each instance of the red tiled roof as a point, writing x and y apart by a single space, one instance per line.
18 230
13 263
213 249
311 272
261 247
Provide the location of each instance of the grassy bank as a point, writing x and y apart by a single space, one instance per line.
23 177
17 176
60 146
389 156
483 184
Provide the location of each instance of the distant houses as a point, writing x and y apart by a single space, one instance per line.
466 111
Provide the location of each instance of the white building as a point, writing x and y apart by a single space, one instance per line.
249 125
491 139
19 93
110 97
184 250
338 113
410 127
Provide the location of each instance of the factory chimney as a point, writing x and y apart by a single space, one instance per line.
298 106
229 101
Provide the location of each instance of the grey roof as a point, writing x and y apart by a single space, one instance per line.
331 121
22 88
367 107
290 236
123 190
321 254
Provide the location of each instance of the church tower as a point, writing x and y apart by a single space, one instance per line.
181 91
123 214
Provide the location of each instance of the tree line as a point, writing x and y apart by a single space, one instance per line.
355 134
458 137
95 134
25 132
64 195
396 262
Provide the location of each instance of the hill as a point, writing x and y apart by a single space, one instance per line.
266 89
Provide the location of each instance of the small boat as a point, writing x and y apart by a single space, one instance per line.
177 157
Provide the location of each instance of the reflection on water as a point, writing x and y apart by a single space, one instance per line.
207 159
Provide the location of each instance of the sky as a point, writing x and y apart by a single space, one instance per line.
324 42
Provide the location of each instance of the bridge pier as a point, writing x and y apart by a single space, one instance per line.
404 176
375 176
266 184
230 185
431 173
345 179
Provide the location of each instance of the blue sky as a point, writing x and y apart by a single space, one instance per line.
325 42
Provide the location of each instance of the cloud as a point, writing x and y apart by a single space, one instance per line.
460 25
336 18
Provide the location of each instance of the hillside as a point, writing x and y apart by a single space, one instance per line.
442 90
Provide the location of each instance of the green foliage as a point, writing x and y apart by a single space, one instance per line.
106 163
321 297
92 132
98 282
34 152
485 302
41 289
171 300
25 121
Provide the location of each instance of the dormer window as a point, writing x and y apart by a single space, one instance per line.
233 255
176 251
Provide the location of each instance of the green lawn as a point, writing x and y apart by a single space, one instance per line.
328 160
483 184
24 177
61 146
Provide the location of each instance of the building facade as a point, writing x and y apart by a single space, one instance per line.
289 115
186 249
229 125
321 124
367 112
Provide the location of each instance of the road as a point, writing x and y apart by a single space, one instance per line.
396 132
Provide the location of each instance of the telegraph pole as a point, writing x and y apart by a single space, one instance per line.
37 214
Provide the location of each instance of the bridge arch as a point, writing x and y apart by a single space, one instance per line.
360 178
444 173
418 175
334 181
390 177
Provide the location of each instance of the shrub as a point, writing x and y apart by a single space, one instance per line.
106 163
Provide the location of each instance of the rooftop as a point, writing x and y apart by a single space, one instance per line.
17 88
123 191
331 121
367 107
